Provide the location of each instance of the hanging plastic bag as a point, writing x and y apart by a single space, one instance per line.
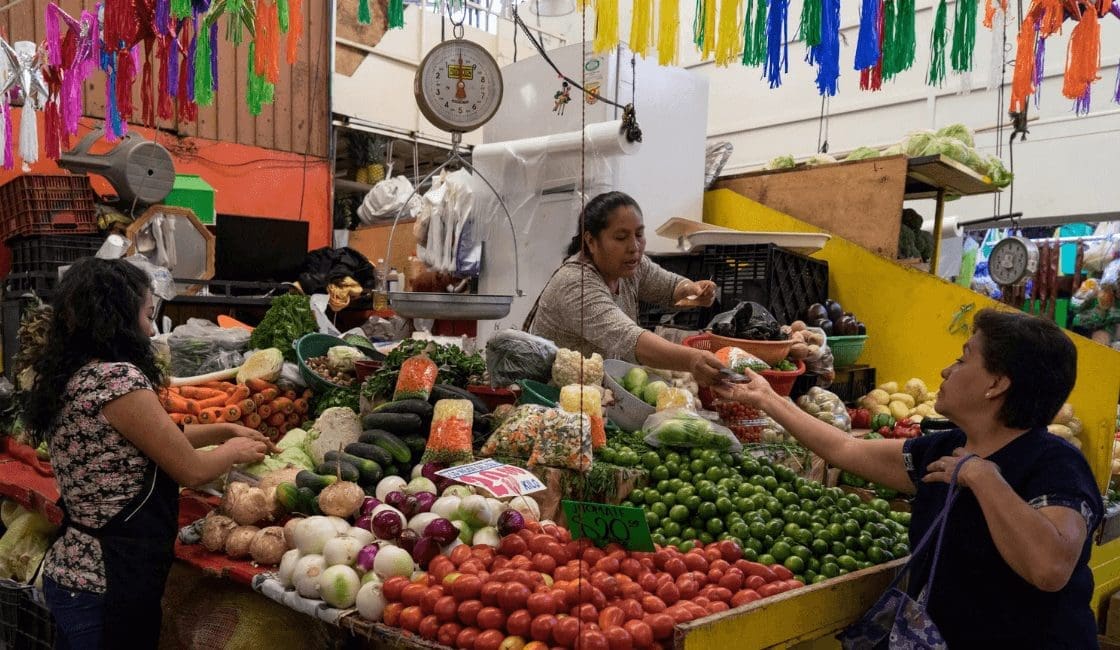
458 205
682 428
387 198
431 213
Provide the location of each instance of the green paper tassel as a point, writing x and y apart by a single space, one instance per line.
890 39
203 79
285 15
938 39
698 24
810 28
754 33
906 34
259 91
364 16
235 31
964 34
396 14
181 8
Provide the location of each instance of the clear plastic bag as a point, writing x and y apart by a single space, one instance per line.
199 346
513 355
565 441
681 428
738 360
517 434
827 407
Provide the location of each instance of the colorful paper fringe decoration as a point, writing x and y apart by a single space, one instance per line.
777 41
900 43
364 16
938 39
295 30
964 35
810 28
396 14
871 77
1043 19
728 44
606 25
870 30
259 91
669 24
641 27
826 54
1084 59
754 33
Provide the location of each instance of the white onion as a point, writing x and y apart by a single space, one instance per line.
387 485
420 484
338 586
447 506
371 601
306 574
488 535
360 534
287 566
340 524
392 561
496 509
476 511
457 490
312 534
341 550
418 523
417 471
527 506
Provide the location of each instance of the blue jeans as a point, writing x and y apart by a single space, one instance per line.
77 616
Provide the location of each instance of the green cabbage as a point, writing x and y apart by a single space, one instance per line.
820 159
781 162
958 132
916 143
998 174
893 150
863 153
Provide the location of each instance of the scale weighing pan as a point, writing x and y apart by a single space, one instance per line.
449 306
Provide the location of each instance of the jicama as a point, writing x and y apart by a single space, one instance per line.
451 437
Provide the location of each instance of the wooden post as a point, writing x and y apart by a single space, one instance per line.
938 217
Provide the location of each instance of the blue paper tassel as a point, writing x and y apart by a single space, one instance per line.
867 47
827 53
777 41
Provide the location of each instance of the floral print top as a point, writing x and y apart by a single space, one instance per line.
98 470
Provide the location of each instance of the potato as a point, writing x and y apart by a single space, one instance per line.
880 396
799 351
880 408
889 387
1075 426
916 388
1065 414
923 410
238 542
899 410
1060 430
905 398
797 326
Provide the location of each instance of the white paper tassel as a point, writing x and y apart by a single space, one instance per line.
28 136
995 62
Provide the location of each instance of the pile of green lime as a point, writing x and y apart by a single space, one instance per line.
699 496
619 454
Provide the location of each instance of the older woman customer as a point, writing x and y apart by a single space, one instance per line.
1014 571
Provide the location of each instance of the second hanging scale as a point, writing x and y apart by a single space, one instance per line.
458 88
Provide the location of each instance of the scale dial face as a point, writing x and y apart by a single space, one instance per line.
458 86
1012 260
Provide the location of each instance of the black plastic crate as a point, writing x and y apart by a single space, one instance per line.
48 252
25 623
853 383
781 280
41 283
691 266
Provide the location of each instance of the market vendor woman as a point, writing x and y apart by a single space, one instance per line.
1013 569
591 303
118 458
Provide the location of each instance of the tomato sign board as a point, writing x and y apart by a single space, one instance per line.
603 524
501 480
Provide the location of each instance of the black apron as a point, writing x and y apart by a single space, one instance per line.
137 547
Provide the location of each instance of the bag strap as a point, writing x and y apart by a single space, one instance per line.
532 315
954 490
936 527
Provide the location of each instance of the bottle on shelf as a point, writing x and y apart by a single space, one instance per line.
380 294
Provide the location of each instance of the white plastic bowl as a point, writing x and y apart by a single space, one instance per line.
628 411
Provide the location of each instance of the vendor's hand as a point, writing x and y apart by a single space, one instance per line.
705 368
239 431
754 393
702 293
244 450
941 470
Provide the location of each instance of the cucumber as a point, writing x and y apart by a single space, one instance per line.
339 468
446 391
390 443
314 482
287 495
414 406
308 501
416 444
370 452
397 423
369 471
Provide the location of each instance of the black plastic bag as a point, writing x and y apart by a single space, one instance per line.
747 320
512 355
325 265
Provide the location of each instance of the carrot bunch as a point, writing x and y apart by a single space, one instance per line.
257 404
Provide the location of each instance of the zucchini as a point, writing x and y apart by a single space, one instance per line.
390 443
339 468
446 391
370 452
369 471
287 495
416 444
415 406
398 423
314 482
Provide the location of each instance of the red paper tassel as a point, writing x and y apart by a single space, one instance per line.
295 29
147 101
1084 59
126 77
188 110
120 24
872 78
164 107
52 115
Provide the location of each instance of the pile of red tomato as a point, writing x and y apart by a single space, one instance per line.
540 589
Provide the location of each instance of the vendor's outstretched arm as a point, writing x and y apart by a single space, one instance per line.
656 352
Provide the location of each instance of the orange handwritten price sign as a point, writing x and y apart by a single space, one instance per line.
501 480
603 524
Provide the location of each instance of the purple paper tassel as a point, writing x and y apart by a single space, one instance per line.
163 17
189 60
827 52
200 6
777 41
114 128
173 66
867 47
1116 93
1039 64
9 157
214 56
1081 104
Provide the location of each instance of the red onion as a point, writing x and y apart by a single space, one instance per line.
368 504
395 499
365 522
366 557
510 521
425 501
441 530
387 524
407 539
410 506
429 470
425 550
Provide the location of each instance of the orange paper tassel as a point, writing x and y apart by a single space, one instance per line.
1053 14
295 29
1083 60
266 60
990 11
1022 83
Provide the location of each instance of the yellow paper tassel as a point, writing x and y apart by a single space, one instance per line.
669 25
729 40
709 47
606 25
641 27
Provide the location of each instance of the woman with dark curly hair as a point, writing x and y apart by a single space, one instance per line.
1014 565
117 456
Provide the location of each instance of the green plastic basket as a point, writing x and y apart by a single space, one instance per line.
534 392
846 349
316 345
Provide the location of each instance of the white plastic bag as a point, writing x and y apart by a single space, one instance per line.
387 198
